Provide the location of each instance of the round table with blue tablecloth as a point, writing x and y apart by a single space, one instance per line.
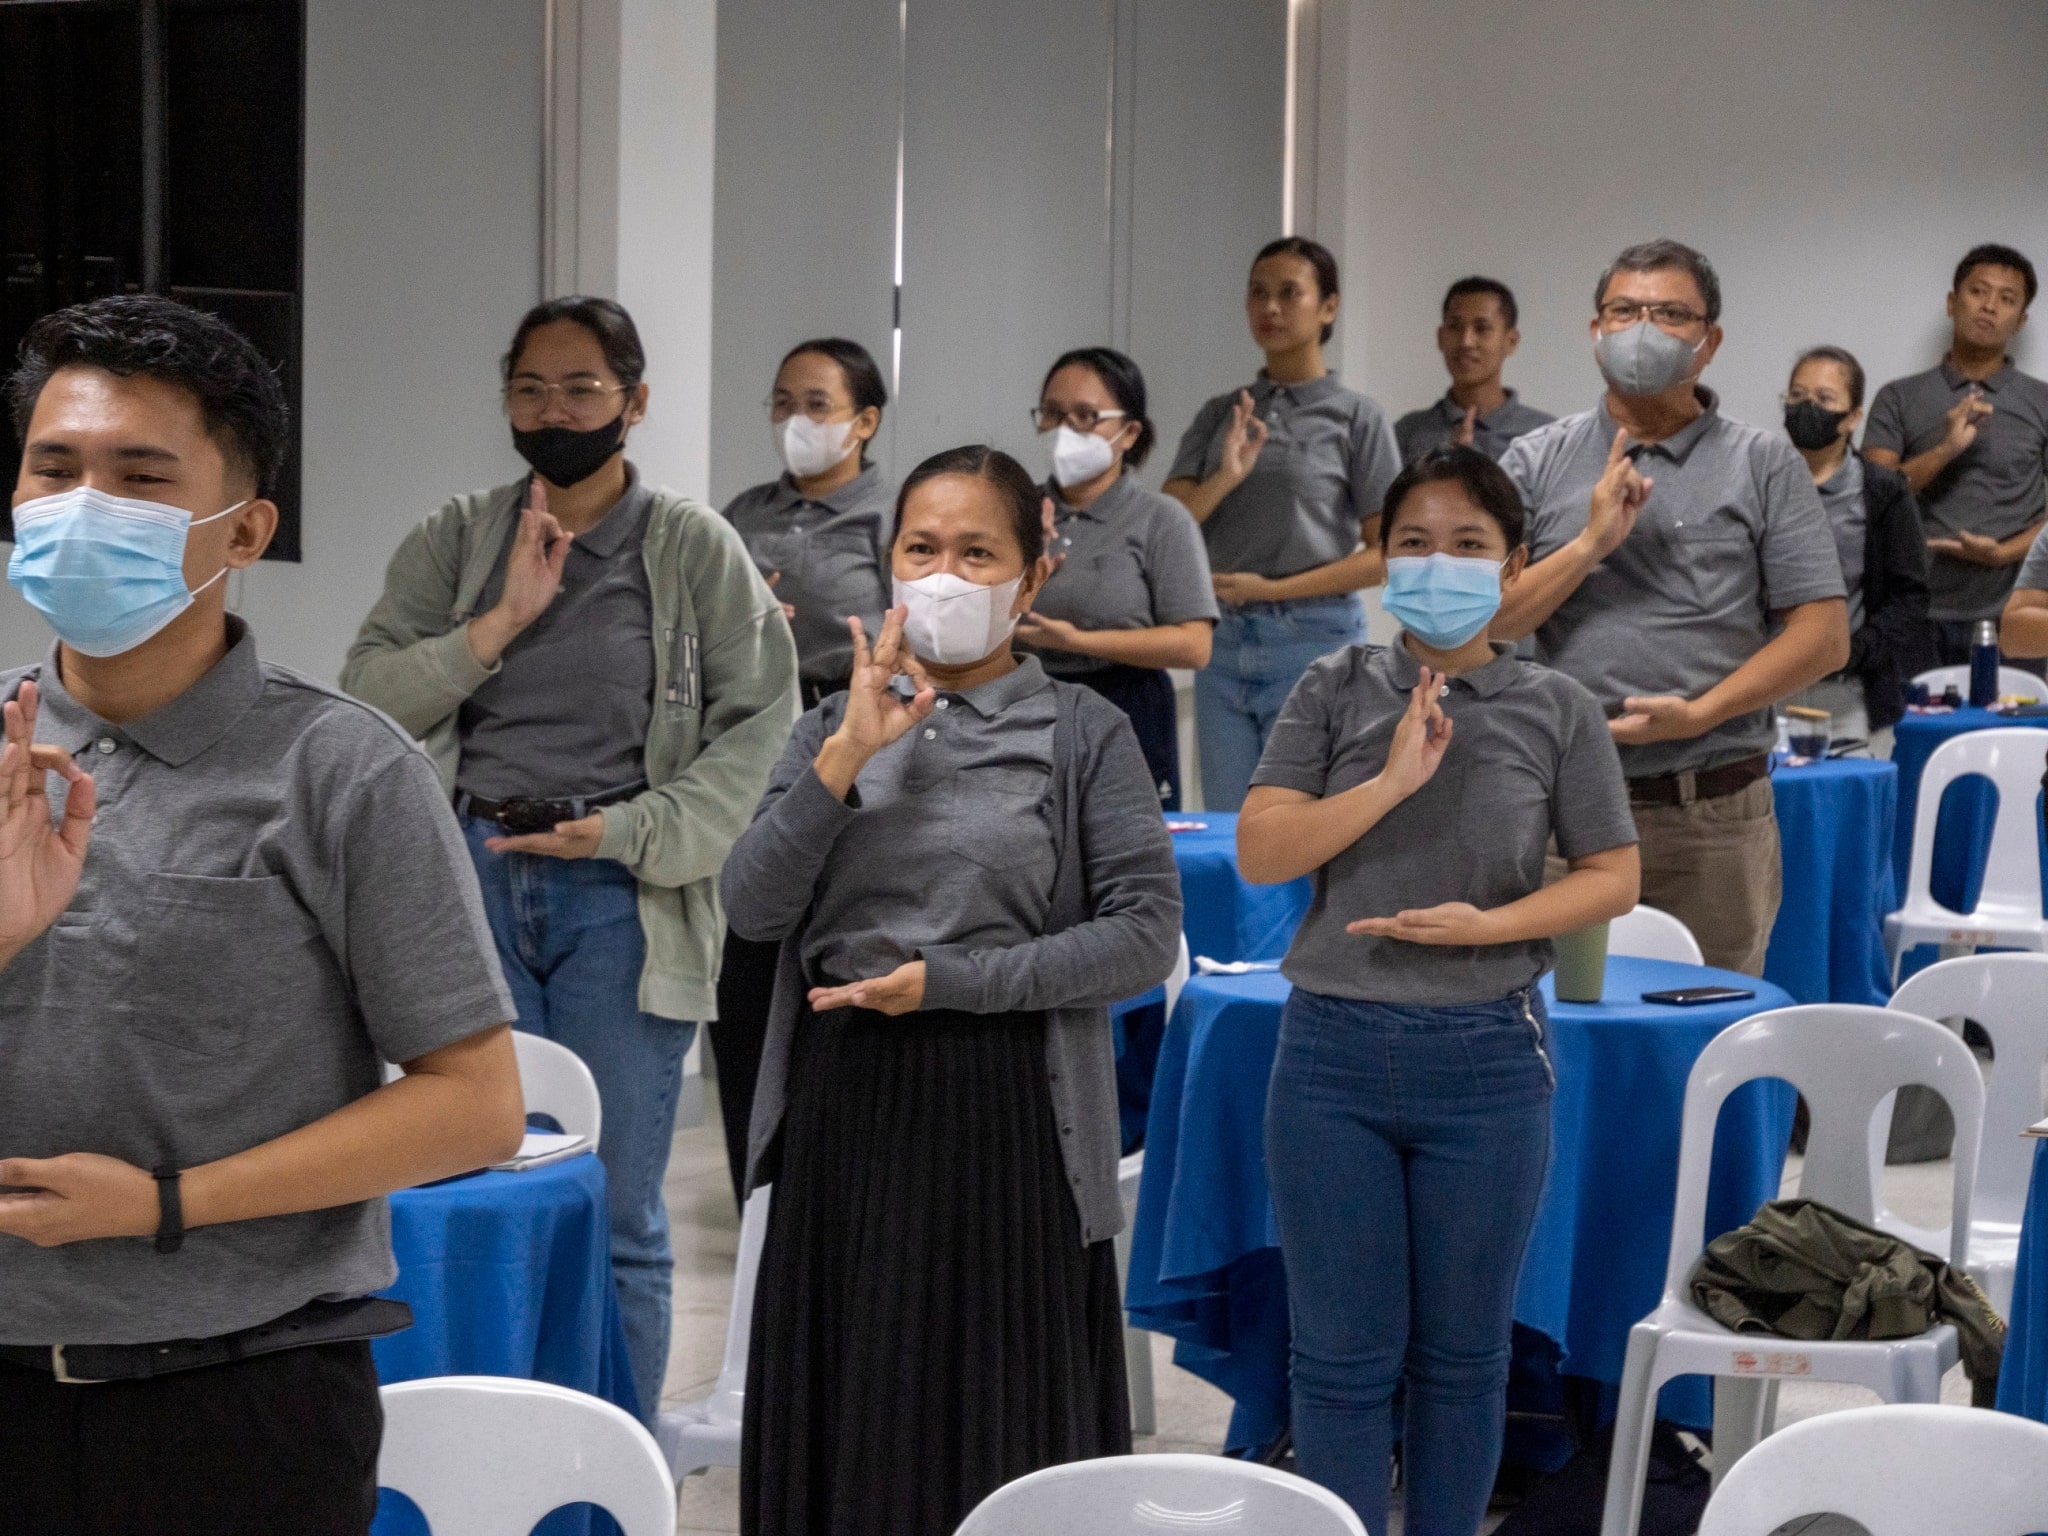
508 1274
1205 1262
1227 917
1835 822
2023 1376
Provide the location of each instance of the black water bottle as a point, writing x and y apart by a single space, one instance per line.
1984 665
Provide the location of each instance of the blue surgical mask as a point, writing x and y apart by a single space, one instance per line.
106 572
1442 600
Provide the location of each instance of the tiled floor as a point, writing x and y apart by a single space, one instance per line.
1192 1414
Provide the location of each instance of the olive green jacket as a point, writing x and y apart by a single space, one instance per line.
725 696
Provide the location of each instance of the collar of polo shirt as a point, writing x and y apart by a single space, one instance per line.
178 731
1956 379
1485 681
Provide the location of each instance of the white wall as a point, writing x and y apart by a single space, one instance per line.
422 244
1833 158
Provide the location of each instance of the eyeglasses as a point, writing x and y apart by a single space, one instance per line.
1082 418
1805 397
817 407
583 398
1672 317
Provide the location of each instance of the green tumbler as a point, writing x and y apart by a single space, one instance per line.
1581 964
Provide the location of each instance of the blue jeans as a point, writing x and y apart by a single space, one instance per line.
1260 652
1406 1148
569 939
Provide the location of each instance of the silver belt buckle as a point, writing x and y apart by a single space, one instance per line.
63 1371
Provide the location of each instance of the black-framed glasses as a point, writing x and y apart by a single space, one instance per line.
1805 397
1672 317
580 397
1082 418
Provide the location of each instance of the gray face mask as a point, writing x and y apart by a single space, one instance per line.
1644 360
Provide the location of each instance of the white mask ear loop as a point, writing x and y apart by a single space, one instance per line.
216 576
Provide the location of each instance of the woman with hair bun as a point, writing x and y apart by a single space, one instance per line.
1129 595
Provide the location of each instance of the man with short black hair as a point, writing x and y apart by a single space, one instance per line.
206 945
1476 337
1971 437
1683 569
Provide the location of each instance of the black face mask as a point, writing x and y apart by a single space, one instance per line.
1811 425
562 456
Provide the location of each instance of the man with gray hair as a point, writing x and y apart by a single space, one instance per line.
1682 568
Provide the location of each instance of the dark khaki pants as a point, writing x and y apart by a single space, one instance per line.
1714 866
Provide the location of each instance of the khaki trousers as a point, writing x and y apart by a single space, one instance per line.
1714 866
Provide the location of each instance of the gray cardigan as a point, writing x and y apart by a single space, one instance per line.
1113 930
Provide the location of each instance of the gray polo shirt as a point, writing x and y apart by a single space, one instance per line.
1996 486
1435 425
2034 570
567 711
1328 460
1133 560
832 553
276 895
1530 759
1841 497
954 840
1732 532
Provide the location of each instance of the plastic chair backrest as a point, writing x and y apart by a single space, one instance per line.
1179 978
2012 758
1843 1058
1902 1469
484 1455
2008 995
557 1083
1650 934
2012 680
1145 1495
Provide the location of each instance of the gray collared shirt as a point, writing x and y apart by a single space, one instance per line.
832 553
1530 760
1733 531
1435 425
1841 497
567 711
276 895
954 840
1133 560
2034 570
1328 460
1996 486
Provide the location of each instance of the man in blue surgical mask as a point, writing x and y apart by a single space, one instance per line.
225 892
1682 568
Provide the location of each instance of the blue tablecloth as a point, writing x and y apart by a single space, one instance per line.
1835 835
508 1274
1962 836
1205 1262
1227 918
2023 1378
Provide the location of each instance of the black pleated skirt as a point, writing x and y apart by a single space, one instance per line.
927 1322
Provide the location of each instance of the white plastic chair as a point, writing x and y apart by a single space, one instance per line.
1904 1469
1144 1495
1650 934
488 1455
2008 913
706 1433
2011 680
2008 996
1130 1173
556 1082
1844 1059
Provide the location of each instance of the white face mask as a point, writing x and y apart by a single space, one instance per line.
953 621
811 447
1078 457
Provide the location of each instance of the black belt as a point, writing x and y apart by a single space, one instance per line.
521 814
317 1322
1699 784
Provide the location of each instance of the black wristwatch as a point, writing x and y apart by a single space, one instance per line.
170 1211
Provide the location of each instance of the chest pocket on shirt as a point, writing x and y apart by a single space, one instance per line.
1716 550
1000 818
220 959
